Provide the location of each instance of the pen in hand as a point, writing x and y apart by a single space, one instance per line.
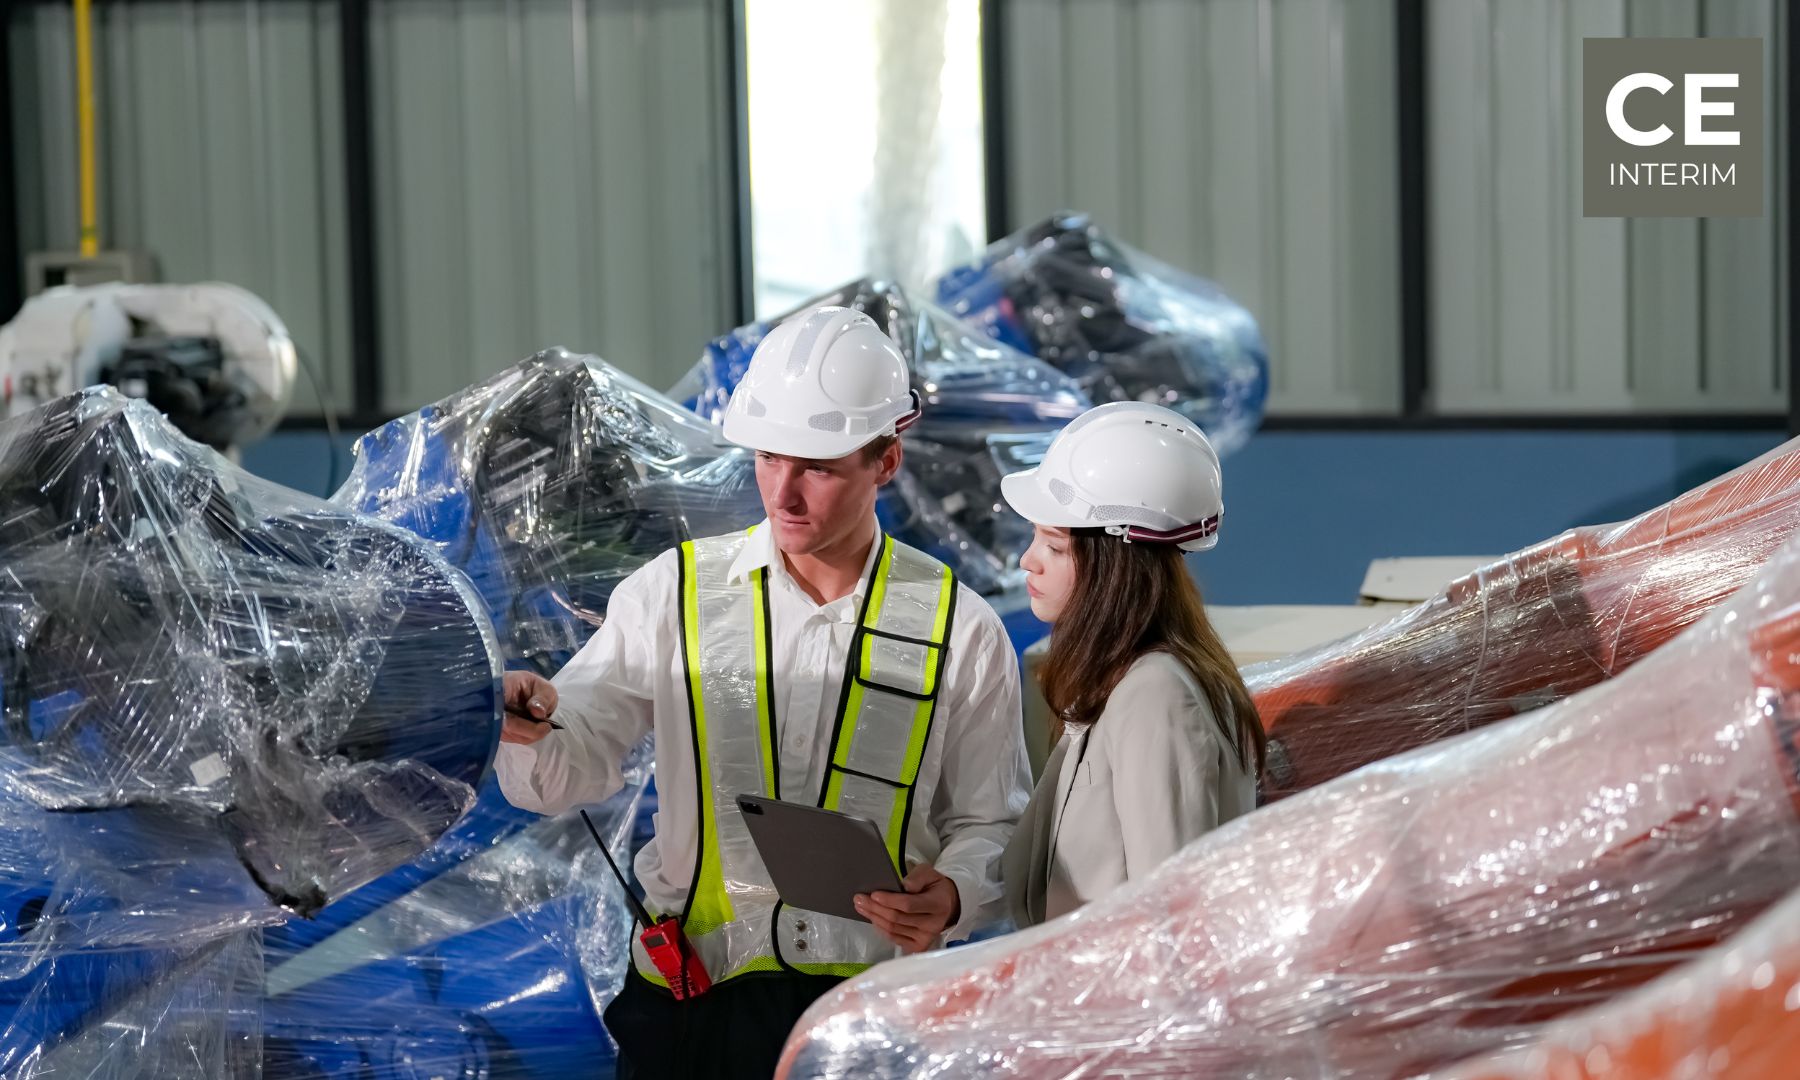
554 726
529 701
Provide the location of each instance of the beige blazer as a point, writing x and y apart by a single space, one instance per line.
1123 794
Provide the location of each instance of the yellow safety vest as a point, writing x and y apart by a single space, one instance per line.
734 918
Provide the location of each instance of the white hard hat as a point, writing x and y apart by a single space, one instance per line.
822 385
1139 471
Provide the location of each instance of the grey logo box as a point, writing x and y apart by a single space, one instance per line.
1682 175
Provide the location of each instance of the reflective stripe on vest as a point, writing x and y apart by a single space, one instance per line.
886 707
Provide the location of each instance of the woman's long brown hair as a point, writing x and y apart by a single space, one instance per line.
1132 599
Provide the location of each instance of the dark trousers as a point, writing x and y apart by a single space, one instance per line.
736 1029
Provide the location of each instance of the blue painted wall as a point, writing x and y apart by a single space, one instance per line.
302 460
1306 511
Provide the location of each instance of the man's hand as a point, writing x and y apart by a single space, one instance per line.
914 919
530 700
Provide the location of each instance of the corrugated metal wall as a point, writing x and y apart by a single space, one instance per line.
1538 309
1250 141
550 172
558 172
547 171
221 151
1253 141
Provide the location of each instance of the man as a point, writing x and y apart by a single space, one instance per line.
811 659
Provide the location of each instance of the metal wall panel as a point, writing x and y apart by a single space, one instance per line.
549 172
1250 141
1536 308
220 153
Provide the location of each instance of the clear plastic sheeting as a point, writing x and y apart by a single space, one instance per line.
1732 1014
185 1012
496 953
492 957
1447 902
1123 325
548 484
989 410
1525 631
221 703
183 640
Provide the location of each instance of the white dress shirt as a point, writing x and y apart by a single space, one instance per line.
629 679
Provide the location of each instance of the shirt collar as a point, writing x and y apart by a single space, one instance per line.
759 552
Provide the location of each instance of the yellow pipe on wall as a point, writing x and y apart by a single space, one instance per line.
84 110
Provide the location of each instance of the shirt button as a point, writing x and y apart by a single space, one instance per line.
801 945
800 927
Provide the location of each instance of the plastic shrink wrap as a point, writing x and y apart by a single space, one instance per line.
989 410
1123 325
496 953
221 703
1525 631
548 484
493 956
1731 1014
1428 907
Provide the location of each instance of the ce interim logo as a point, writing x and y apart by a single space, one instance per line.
1672 127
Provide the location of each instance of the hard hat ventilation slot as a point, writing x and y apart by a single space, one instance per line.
1112 510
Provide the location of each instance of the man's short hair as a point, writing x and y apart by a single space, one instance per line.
873 451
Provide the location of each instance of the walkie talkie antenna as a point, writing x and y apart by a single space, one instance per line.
641 913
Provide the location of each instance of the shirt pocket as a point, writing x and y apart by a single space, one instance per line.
1085 809
1092 780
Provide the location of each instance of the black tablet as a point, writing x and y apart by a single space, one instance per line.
819 860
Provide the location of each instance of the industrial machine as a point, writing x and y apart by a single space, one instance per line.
214 358
1124 326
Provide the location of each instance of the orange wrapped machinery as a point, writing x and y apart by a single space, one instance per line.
1444 903
1525 631
1732 1014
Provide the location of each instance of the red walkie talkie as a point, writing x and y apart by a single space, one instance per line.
667 947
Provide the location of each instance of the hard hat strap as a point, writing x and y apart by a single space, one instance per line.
1197 531
912 416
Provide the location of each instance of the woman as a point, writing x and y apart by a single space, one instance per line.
1157 738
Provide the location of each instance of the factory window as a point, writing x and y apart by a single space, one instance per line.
865 133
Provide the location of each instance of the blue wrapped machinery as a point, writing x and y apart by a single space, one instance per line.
344 676
1124 326
547 485
989 410
222 704
496 953
492 957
